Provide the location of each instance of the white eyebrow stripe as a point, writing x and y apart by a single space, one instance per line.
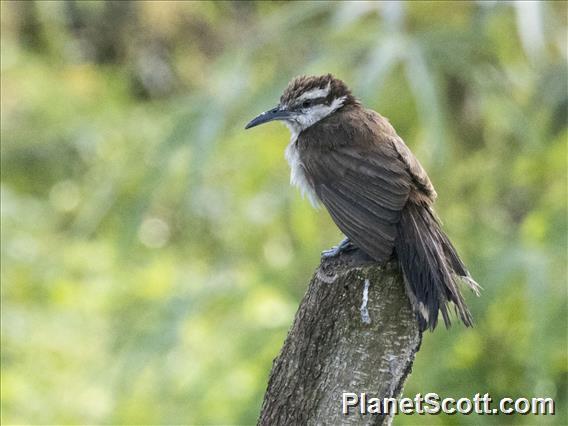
315 93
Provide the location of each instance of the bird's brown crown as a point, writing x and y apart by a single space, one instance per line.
306 83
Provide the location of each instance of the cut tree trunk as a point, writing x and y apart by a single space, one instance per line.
355 331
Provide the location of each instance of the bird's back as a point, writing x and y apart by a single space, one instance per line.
363 139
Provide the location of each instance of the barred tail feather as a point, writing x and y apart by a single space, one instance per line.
431 267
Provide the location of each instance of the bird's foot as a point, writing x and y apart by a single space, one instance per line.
343 247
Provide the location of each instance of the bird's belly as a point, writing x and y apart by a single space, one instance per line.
298 176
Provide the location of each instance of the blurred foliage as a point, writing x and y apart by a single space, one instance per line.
153 255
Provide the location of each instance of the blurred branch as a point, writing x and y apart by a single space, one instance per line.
354 332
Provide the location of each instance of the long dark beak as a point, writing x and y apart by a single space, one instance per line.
270 115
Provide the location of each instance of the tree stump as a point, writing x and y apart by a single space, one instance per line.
355 331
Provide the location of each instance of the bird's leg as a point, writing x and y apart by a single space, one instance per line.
344 246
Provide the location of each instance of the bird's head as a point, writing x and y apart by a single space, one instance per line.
307 100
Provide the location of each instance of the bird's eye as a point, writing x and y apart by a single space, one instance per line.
306 104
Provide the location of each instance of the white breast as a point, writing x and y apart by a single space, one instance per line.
298 175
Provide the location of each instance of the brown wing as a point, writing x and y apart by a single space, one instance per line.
362 180
419 176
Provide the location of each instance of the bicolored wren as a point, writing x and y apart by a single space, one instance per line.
351 160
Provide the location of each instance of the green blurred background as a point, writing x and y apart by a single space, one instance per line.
153 253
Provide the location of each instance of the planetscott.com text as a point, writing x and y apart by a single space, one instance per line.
432 403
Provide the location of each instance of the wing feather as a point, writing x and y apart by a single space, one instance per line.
364 175
355 223
363 194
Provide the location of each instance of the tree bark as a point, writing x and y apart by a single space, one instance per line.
354 331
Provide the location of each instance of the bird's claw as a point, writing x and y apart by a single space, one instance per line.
342 247
332 252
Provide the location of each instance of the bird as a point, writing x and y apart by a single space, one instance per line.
351 160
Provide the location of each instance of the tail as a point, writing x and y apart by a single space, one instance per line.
431 267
